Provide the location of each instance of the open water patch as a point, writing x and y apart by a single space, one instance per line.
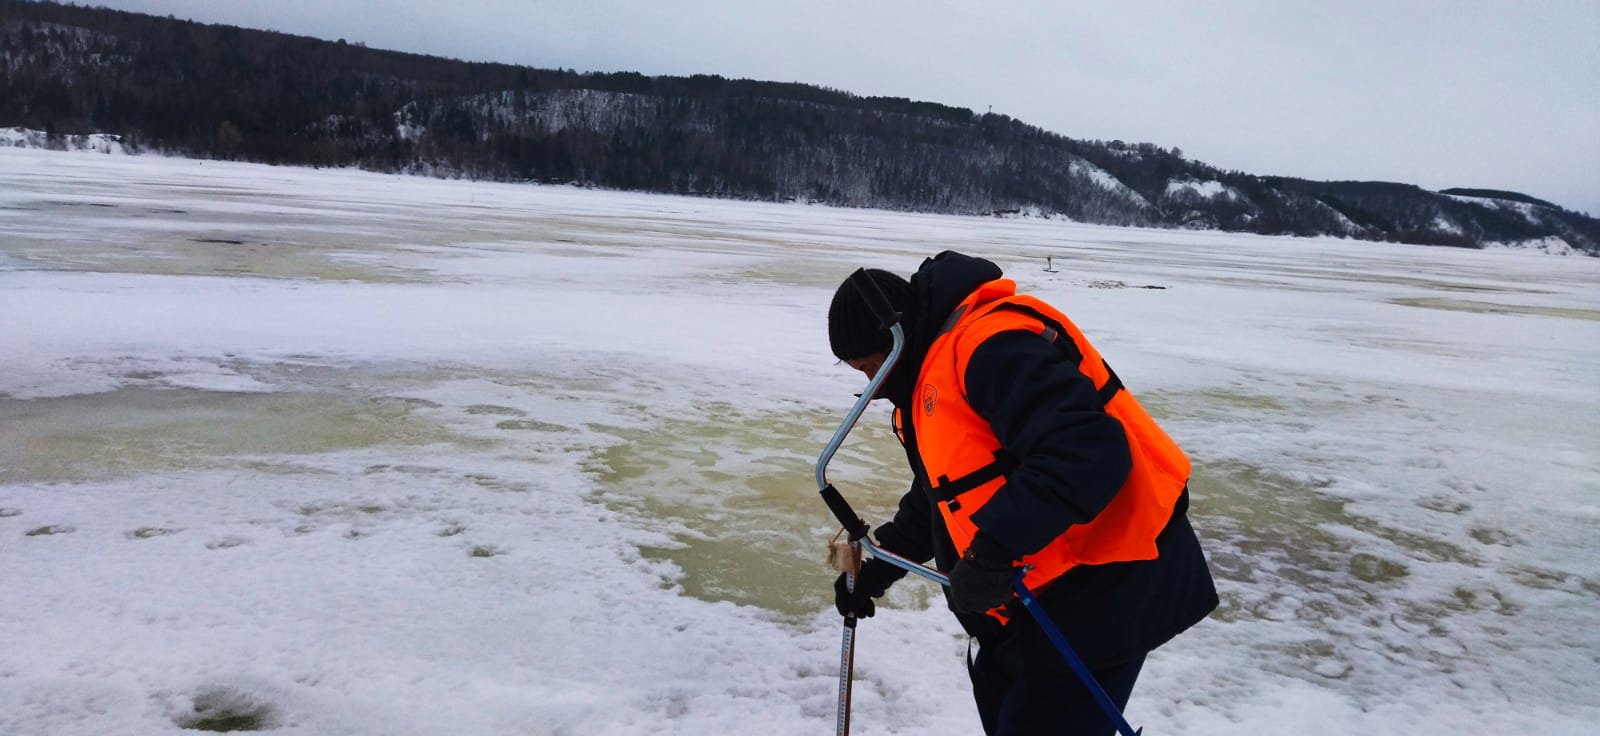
738 496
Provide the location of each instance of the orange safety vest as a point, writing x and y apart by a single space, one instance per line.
966 465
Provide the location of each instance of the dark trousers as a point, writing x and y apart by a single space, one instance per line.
1023 689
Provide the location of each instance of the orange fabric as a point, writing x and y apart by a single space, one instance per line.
953 442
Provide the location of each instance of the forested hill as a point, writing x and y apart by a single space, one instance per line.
220 91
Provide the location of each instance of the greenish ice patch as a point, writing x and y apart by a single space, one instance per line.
1262 524
1465 305
222 710
1284 549
738 497
741 492
800 270
1374 569
1158 405
1259 523
1343 275
1241 400
530 425
1199 403
305 257
137 430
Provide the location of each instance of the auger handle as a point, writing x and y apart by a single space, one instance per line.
876 301
853 526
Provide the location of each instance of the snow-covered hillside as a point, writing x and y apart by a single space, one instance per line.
93 142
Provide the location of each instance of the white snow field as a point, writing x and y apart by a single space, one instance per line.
332 452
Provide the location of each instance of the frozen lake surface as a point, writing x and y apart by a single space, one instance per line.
330 452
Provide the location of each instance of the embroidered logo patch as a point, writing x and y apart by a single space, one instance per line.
930 396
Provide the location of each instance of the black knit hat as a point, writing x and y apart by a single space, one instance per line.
853 331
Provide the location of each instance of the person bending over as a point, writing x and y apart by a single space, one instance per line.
1026 449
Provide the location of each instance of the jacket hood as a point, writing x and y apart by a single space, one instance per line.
940 285
937 288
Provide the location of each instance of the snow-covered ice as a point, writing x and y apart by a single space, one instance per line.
333 452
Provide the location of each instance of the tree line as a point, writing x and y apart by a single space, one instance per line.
226 92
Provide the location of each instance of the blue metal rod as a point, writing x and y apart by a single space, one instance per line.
1078 667
1039 615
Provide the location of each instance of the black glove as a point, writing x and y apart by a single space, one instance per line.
982 579
875 578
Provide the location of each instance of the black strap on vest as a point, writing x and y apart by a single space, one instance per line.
1004 462
946 489
1058 336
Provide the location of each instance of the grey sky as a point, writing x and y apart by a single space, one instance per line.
1475 93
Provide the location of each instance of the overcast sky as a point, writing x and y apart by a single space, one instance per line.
1469 93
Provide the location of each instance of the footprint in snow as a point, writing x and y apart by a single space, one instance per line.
226 542
146 532
50 530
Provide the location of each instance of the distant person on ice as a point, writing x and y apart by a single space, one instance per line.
1026 449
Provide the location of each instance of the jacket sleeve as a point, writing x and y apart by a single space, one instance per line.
1073 455
908 534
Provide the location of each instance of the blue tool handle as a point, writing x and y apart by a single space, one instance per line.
1078 667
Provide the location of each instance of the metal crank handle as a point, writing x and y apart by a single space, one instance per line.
876 301
903 563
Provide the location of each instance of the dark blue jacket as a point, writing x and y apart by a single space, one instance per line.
1074 459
